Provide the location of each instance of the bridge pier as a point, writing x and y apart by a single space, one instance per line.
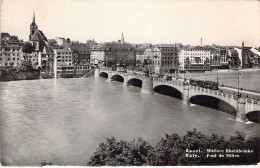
125 80
147 85
241 110
109 76
186 96
97 73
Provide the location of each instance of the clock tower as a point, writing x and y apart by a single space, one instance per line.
33 27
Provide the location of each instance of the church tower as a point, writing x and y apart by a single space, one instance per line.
33 27
122 39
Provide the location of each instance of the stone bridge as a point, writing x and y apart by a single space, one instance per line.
242 105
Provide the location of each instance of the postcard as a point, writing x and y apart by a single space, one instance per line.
129 83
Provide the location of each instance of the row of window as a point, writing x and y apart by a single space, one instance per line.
64 53
64 60
9 54
8 59
167 49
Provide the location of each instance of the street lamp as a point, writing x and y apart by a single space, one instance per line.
238 82
218 62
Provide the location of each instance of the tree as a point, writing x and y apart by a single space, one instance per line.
28 48
53 43
121 153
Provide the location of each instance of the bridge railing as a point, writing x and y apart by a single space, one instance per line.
170 82
252 101
215 92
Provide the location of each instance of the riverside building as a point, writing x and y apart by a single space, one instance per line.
164 58
11 53
115 54
198 59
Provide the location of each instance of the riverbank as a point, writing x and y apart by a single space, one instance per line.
18 75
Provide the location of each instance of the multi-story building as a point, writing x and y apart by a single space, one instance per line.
81 53
97 55
114 54
140 54
64 65
198 58
223 53
11 53
246 56
233 58
164 58
63 56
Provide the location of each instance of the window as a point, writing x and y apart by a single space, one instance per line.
13 59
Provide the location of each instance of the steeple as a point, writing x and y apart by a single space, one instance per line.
33 17
122 39
33 27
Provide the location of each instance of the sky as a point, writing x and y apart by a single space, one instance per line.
222 22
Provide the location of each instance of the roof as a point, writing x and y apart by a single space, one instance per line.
166 45
80 48
207 48
5 35
48 49
116 46
63 50
38 36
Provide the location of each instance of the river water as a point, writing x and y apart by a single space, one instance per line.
63 120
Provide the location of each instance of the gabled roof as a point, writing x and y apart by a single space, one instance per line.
48 49
80 48
38 36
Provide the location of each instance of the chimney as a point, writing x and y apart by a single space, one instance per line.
201 42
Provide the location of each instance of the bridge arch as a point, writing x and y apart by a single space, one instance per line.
168 90
214 103
253 116
135 82
117 77
104 74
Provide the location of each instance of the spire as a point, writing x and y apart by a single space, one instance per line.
33 17
122 38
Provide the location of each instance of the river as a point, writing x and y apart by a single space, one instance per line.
63 120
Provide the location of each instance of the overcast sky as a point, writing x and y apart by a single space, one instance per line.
155 21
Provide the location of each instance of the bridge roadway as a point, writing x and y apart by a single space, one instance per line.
243 105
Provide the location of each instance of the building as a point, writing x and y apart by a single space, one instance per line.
198 58
97 55
64 62
11 53
114 54
248 59
233 58
81 53
164 58
223 53
140 55
82 69
63 56
64 43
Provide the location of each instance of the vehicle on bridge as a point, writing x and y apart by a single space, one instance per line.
205 84
168 78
